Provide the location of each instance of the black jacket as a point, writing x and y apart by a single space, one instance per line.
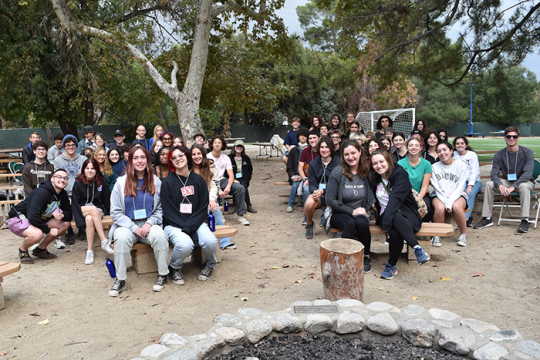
172 197
36 204
316 172
247 168
84 194
292 162
401 199
28 154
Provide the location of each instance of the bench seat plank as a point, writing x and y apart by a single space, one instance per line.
8 268
428 229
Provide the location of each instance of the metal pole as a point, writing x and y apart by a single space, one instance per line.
471 127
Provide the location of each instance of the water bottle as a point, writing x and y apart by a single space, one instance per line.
226 206
110 267
212 222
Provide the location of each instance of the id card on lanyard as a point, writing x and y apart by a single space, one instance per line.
186 208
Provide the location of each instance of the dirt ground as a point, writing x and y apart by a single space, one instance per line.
494 279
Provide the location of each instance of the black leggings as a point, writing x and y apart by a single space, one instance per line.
402 229
429 206
349 225
243 182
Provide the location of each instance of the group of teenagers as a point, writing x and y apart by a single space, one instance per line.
157 203
352 175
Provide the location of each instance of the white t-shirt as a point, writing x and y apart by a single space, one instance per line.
473 167
222 164
382 195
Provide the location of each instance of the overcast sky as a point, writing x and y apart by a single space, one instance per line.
288 13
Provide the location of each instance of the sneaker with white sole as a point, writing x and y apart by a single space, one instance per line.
89 257
117 287
421 256
389 272
59 244
176 276
205 273
160 283
243 221
436 241
230 246
484 223
290 209
462 241
106 246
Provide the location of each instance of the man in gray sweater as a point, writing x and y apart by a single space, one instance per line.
512 170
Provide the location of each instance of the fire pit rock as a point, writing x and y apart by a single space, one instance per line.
423 328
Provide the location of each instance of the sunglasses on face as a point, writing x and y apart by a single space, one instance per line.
167 139
512 137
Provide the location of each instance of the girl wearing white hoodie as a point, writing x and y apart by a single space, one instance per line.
448 180
473 185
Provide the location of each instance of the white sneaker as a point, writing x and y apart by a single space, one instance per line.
59 244
462 241
242 220
107 247
89 257
290 209
436 241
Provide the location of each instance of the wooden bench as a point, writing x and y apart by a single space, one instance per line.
282 183
144 262
107 222
428 229
6 269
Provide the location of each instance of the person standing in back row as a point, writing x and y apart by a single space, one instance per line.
37 170
516 164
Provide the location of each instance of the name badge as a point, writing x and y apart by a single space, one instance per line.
322 186
186 208
188 190
238 175
139 214
512 177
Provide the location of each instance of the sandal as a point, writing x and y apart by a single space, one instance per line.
43 254
25 258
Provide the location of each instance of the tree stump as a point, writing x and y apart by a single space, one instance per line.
342 266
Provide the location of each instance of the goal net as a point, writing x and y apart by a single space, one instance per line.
403 119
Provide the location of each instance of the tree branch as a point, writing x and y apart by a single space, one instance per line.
138 12
216 10
173 75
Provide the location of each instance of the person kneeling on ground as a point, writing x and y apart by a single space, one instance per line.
46 210
349 196
90 201
185 202
448 180
318 175
137 216
516 164
397 210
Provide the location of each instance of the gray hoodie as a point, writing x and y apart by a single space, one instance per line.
118 208
72 166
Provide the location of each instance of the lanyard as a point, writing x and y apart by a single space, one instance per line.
93 193
144 201
184 185
324 171
508 161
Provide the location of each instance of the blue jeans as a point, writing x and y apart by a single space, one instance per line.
218 216
183 245
294 190
477 187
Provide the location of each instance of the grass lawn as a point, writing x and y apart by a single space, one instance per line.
497 144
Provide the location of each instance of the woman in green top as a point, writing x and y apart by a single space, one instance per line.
419 171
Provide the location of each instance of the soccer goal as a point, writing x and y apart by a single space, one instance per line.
403 119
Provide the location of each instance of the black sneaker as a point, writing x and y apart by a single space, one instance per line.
70 239
205 273
484 223
250 209
176 276
309 231
82 236
117 287
160 283
367 264
469 222
523 227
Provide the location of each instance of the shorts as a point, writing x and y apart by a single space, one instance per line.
18 226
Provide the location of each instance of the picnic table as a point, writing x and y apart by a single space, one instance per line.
7 151
230 141
265 146
11 177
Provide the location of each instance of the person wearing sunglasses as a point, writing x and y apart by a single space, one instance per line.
46 210
511 170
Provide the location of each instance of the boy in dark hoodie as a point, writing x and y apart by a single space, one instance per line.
38 170
28 152
45 211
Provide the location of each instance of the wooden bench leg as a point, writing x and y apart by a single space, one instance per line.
2 303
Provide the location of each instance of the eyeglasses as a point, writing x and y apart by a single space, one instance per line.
70 145
175 157
41 149
64 178
512 137
166 139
